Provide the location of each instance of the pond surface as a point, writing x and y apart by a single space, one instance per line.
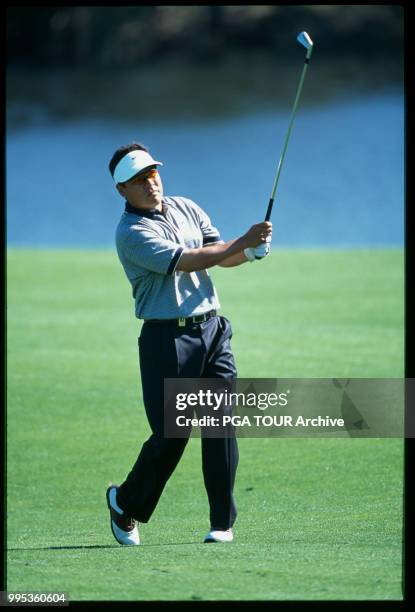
342 183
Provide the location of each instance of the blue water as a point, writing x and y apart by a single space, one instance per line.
342 183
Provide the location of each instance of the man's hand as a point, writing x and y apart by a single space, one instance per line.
258 234
260 251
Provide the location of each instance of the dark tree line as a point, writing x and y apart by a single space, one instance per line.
114 37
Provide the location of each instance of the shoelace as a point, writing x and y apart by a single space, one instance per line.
130 524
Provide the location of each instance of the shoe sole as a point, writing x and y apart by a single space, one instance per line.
213 541
107 495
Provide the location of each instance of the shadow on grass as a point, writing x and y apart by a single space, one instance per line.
91 546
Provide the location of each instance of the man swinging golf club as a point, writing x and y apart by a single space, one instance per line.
166 244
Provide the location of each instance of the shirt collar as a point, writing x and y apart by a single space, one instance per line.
150 214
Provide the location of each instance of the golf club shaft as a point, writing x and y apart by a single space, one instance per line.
277 176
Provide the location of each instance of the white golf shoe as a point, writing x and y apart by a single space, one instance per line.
124 528
219 536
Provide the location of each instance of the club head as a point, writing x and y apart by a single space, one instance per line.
304 39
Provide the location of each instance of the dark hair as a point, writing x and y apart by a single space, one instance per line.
119 154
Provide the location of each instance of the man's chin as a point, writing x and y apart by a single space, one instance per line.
155 200
150 202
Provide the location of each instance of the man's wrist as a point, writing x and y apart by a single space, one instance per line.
249 254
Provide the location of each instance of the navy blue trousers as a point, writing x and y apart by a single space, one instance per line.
168 351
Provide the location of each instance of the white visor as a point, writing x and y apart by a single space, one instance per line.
133 163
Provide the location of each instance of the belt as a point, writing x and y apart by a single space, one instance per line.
183 321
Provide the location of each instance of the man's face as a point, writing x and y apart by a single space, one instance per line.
144 190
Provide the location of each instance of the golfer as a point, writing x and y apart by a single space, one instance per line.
165 245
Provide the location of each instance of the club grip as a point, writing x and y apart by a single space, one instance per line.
269 209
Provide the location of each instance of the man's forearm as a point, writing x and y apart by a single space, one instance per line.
234 260
192 260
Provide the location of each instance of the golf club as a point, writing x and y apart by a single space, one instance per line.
305 40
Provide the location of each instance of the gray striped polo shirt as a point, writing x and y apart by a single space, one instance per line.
149 245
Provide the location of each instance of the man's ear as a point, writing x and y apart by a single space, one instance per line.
120 189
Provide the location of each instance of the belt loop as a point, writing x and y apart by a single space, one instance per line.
182 322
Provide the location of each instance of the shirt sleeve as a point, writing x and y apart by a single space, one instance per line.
148 250
210 233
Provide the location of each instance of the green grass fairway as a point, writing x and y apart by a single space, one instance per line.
319 519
